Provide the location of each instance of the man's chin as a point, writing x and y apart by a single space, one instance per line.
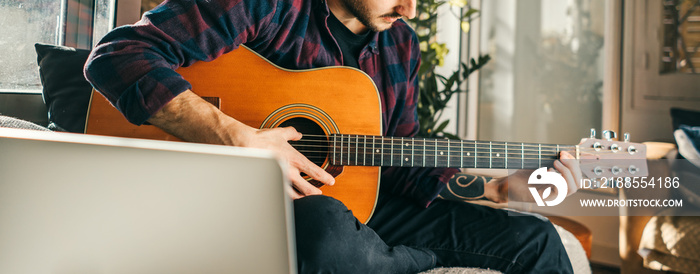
381 26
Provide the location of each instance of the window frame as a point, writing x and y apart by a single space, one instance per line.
69 33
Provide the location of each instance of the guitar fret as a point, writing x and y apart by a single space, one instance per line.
341 150
539 155
334 148
391 153
475 153
364 155
424 152
505 157
436 149
522 155
490 155
413 152
461 155
373 154
357 148
401 152
381 153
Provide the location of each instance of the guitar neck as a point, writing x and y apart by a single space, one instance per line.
364 150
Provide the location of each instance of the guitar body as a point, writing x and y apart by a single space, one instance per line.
254 91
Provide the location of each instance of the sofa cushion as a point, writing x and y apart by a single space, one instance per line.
11 122
65 90
671 243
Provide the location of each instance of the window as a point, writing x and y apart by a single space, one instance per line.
23 23
681 44
544 82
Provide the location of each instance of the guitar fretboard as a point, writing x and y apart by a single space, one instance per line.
364 150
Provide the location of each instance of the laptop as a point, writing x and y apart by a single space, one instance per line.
73 203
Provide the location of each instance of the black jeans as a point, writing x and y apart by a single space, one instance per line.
402 237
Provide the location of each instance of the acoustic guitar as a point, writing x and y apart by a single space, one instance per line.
323 104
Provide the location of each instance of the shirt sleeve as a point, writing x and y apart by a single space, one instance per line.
420 184
134 66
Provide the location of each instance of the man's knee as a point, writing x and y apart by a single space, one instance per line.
317 211
541 237
321 223
329 238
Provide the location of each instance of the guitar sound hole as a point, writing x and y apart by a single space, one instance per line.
313 144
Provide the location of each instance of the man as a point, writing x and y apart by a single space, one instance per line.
410 230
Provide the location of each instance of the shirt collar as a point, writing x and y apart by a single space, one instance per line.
324 12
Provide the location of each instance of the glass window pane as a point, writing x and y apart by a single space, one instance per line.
681 44
544 82
23 23
104 19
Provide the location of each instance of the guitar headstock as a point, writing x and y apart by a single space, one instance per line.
605 158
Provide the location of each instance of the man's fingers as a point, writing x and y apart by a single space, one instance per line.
314 171
568 176
570 162
303 186
291 134
319 174
293 193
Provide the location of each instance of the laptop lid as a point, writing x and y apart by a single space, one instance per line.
72 203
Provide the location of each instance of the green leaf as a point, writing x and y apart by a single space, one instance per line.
470 12
451 136
442 126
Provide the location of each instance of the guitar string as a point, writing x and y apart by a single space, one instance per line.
548 156
457 148
482 145
441 141
324 143
479 156
442 160
451 154
467 163
384 139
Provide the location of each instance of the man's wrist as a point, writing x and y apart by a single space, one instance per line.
491 190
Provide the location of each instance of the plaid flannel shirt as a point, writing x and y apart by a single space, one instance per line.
134 66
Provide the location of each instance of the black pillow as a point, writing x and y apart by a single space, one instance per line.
66 92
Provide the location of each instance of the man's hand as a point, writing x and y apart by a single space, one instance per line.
192 119
276 139
497 190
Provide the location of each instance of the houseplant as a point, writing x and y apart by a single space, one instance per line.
436 90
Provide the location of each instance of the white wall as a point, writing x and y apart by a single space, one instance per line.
518 103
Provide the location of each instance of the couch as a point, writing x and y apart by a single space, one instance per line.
656 242
66 94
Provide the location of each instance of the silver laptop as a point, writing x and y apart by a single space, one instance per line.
73 203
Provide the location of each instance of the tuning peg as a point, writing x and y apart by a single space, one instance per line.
609 135
626 137
593 133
